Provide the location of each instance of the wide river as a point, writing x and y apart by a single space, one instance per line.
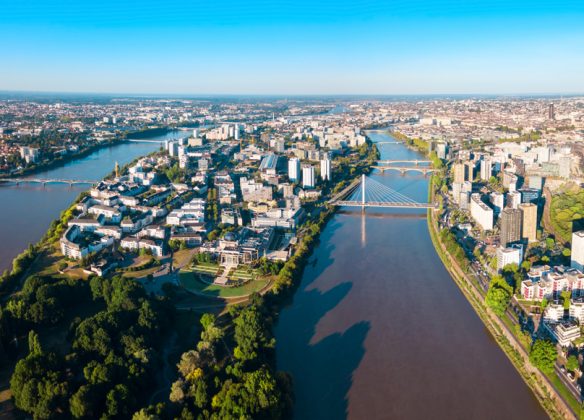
28 209
378 329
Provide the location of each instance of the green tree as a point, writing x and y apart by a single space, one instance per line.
498 295
251 334
566 296
543 355
34 345
572 363
85 402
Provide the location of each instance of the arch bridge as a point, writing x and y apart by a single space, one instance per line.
404 169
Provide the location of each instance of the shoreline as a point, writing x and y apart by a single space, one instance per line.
533 378
63 160
551 401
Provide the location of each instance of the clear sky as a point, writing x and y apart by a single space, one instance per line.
292 47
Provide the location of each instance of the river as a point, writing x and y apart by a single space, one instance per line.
29 209
378 329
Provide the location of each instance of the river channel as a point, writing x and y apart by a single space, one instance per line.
378 330
27 210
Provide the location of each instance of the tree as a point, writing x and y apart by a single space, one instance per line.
85 402
543 355
498 295
550 243
572 363
34 345
38 385
251 334
211 332
566 296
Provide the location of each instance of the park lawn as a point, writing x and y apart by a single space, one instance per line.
243 275
190 282
206 269
206 264
141 273
182 257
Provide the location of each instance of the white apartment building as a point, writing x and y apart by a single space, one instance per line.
510 255
308 176
480 212
577 258
294 169
544 282
325 169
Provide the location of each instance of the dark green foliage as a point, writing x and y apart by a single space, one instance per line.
251 335
39 385
44 300
115 358
543 355
499 295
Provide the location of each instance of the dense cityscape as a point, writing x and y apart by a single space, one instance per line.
292 210
222 216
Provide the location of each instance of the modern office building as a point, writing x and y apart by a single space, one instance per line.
308 176
529 221
510 226
577 259
529 195
294 169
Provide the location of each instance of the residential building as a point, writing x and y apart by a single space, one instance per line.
459 173
325 169
486 169
510 226
294 169
577 257
529 221
510 255
480 212
308 176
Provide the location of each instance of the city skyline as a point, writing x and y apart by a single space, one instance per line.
262 48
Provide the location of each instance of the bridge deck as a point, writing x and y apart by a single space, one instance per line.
384 204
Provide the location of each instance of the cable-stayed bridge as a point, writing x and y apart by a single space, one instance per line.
367 192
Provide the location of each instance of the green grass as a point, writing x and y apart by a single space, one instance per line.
565 392
190 282
206 268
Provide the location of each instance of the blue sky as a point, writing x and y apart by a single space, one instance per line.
292 47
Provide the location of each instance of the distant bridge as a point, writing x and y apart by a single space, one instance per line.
404 169
145 141
367 192
415 162
45 181
382 143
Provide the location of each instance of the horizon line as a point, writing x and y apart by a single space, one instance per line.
284 95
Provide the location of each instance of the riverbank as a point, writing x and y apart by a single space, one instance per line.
555 405
69 157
